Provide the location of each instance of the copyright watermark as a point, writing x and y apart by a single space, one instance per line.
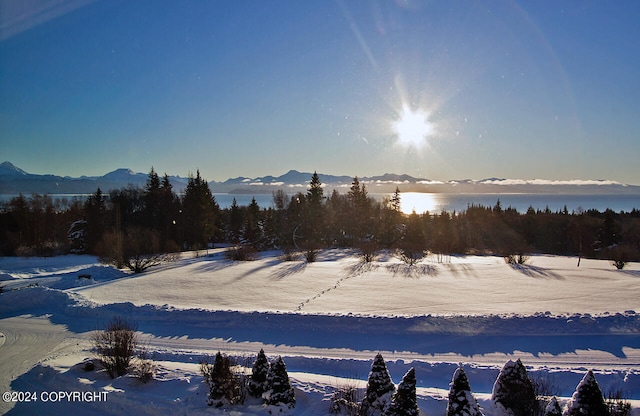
54 396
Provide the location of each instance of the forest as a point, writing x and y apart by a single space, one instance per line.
131 226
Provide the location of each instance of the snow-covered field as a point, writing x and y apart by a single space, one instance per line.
327 320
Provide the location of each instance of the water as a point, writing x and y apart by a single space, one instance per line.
435 203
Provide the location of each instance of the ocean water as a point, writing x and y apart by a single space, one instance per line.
435 203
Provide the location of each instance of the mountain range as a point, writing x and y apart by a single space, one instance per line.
14 180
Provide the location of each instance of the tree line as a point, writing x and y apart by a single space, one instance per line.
154 219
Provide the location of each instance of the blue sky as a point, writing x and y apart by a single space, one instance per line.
523 90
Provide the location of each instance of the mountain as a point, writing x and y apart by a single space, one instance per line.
14 180
8 168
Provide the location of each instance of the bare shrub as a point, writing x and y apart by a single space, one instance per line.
242 253
116 346
545 385
516 259
311 255
620 255
144 369
368 250
617 403
288 254
137 248
410 255
346 399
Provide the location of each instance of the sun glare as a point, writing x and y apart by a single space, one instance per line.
413 127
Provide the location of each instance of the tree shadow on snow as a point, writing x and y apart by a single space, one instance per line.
360 267
415 271
288 269
536 272
213 265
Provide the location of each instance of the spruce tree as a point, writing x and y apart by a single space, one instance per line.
221 382
379 390
514 390
553 408
461 401
314 211
405 401
587 400
280 391
258 381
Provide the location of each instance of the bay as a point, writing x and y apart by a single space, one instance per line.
438 202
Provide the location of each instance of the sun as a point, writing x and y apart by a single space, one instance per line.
413 127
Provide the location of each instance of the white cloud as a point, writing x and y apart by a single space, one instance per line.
574 182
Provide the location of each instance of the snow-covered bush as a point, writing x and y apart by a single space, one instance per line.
116 346
514 391
405 401
280 391
380 388
553 408
587 400
77 236
461 401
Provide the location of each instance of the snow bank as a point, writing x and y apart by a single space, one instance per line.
328 320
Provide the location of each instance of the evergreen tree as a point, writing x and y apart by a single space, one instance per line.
587 400
553 408
151 201
252 232
315 193
395 200
169 209
280 391
461 401
405 401
359 223
514 390
221 382
235 222
379 390
314 211
199 209
95 215
258 382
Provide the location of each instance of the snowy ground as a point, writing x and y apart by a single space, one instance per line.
327 319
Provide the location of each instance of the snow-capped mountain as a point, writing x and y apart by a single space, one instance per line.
14 180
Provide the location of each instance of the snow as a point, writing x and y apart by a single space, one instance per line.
327 320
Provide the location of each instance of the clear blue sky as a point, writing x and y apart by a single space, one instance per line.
536 89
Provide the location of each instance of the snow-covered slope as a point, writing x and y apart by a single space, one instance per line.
327 319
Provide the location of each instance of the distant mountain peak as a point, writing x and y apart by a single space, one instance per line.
8 168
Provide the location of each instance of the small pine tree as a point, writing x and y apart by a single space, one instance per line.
461 401
514 390
553 408
258 381
405 401
220 380
587 400
379 390
280 391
